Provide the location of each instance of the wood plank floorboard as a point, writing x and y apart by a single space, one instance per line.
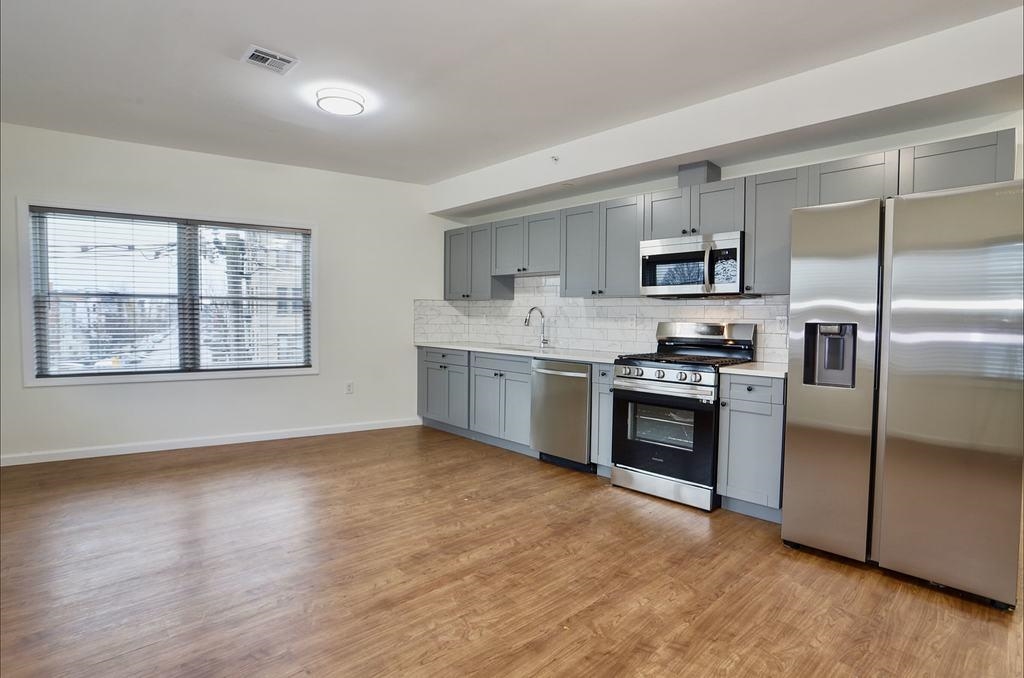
413 552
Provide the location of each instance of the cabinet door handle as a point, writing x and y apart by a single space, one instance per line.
495 374
750 388
724 403
611 390
525 269
600 291
604 373
593 291
693 230
747 287
501 374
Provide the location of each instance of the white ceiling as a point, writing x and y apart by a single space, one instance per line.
457 85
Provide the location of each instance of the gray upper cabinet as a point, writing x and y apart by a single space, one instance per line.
621 224
667 214
543 244
717 206
509 247
581 244
770 197
456 263
750 439
467 266
874 175
527 245
978 159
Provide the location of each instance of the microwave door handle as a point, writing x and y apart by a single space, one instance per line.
707 264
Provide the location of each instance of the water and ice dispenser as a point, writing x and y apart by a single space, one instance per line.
830 354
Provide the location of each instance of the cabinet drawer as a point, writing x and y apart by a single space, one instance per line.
750 406
603 374
754 389
502 363
437 355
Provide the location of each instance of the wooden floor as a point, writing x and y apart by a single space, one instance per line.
411 552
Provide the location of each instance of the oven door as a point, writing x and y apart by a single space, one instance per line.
668 435
698 265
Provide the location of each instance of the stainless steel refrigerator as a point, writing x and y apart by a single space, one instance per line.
905 411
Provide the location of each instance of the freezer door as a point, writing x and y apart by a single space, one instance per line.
831 385
951 455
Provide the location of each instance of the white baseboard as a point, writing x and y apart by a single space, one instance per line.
185 443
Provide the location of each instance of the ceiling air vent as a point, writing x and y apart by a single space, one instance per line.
272 61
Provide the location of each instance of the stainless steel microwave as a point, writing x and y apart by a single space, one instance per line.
697 265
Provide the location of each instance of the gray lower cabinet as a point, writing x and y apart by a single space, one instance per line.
770 198
516 396
444 387
750 439
874 175
500 397
467 266
667 214
968 161
485 402
601 401
717 207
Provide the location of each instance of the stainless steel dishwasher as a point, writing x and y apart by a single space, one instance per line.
560 413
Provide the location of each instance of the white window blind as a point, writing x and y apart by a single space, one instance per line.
120 294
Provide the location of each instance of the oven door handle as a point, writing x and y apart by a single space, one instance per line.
704 399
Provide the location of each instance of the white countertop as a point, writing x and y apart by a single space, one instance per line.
530 352
756 370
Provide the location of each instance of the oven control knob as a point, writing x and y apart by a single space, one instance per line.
681 376
660 374
695 376
627 371
639 372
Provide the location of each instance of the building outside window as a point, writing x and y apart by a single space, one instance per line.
123 294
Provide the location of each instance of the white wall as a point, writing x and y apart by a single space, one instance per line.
973 54
924 135
377 250
583 323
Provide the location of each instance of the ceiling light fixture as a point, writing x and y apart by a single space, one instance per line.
340 101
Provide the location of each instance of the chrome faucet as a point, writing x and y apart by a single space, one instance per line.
543 339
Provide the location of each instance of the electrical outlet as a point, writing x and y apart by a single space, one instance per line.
350 387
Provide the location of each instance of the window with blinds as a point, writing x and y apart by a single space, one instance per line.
122 294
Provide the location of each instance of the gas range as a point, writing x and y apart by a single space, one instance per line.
687 361
665 410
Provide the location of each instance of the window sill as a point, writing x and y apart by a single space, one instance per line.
33 381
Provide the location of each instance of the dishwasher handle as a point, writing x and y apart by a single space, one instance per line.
559 373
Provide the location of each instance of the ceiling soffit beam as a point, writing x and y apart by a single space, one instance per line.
972 54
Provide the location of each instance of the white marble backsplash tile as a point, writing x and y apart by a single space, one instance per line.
616 325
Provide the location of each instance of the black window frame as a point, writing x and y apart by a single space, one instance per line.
189 296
